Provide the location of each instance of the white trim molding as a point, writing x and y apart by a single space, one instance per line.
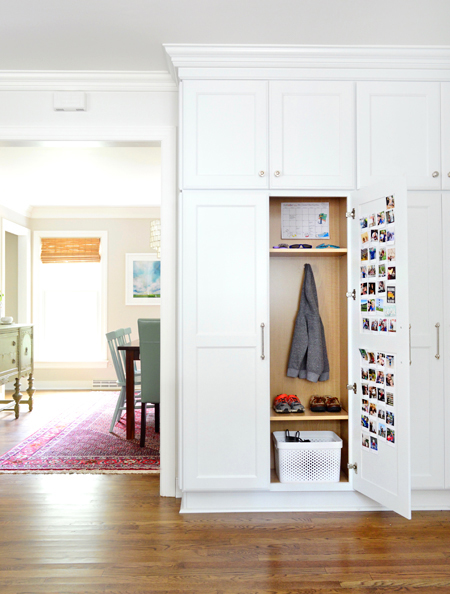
73 80
308 61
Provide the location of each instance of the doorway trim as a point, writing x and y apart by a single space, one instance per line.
166 136
24 267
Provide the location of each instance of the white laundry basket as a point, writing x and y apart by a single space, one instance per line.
316 462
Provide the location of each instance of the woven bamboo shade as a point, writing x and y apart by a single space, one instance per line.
56 250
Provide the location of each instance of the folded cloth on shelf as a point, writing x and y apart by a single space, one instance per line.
308 358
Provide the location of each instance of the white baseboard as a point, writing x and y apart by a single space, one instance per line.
289 501
57 386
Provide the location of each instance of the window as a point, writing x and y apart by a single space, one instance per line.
70 296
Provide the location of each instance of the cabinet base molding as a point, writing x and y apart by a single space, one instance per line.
430 500
289 501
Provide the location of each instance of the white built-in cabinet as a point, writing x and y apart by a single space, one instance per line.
226 127
245 147
399 133
427 328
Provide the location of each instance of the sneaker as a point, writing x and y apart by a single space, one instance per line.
285 403
333 404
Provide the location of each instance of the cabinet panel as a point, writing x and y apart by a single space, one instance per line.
445 103
225 379
399 133
312 134
426 310
225 134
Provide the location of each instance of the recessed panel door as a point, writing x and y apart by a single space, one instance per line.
398 127
225 341
427 331
379 345
224 134
312 134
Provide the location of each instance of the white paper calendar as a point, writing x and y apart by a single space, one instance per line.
305 220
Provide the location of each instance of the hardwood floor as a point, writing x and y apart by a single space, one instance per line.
113 534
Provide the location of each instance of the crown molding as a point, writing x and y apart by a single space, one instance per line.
183 57
73 80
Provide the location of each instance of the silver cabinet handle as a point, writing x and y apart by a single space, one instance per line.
437 326
410 344
262 173
277 173
435 174
262 341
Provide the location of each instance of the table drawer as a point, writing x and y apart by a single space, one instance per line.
8 363
9 342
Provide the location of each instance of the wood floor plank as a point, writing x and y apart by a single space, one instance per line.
114 534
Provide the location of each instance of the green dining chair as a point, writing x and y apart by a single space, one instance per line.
115 339
150 354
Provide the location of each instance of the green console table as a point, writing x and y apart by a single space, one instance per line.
16 362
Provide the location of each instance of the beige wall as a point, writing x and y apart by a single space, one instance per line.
11 276
124 236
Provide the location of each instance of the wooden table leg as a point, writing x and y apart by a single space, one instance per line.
17 397
129 364
30 391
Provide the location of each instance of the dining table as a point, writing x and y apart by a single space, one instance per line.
132 354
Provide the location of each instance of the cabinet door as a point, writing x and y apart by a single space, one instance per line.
398 127
224 134
446 329
445 103
380 432
312 134
426 312
225 350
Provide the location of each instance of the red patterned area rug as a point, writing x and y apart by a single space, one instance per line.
80 442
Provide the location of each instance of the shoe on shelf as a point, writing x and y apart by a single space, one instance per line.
333 404
318 404
285 403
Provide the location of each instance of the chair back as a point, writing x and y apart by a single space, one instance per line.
149 345
115 339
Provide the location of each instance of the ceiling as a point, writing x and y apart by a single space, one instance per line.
128 34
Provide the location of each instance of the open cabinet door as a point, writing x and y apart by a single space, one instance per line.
379 345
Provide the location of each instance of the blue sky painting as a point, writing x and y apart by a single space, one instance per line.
146 279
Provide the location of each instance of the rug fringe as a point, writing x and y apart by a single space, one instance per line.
79 471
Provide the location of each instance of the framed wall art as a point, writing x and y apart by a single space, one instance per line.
143 279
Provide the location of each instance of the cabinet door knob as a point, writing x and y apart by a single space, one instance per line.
262 173
435 173
13 361
26 351
448 174
14 343
277 173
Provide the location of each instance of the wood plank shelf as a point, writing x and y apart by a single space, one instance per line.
286 252
308 416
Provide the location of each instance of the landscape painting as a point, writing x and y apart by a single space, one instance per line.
143 279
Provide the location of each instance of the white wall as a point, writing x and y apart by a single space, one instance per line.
11 298
128 34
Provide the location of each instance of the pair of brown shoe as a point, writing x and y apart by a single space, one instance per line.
324 404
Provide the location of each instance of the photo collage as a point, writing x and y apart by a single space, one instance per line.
378 270
377 400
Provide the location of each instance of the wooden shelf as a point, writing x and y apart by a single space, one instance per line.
292 486
286 252
308 416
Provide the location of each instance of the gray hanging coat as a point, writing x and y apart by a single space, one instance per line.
308 358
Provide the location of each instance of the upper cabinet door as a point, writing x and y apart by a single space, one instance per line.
445 92
224 134
312 134
399 133
379 345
